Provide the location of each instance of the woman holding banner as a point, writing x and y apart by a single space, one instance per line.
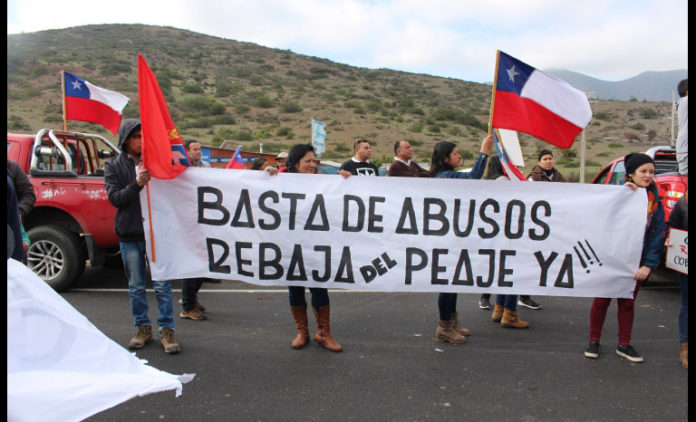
640 172
443 163
301 159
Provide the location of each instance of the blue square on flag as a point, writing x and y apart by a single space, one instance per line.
75 86
179 155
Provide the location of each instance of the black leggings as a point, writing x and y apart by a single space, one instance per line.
320 296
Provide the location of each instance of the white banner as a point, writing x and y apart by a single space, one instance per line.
677 257
396 234
60 367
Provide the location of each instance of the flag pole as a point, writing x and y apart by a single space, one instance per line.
149 219
62 92
495 83
490 115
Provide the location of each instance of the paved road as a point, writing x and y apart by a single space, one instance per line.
391 369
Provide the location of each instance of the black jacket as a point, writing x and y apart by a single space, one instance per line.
25 190
123 192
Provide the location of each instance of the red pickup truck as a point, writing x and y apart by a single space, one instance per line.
72 220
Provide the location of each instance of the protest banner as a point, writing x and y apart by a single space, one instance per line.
397 234
677 257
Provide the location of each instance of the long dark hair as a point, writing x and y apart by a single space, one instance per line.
295 155
441 151
495 168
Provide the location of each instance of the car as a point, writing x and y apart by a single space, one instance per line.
670 184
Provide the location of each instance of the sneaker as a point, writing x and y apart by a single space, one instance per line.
629 353
484 303
592 350
142 337
527 302
197 305
194 314
169 341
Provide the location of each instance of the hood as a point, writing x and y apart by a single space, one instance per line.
127 126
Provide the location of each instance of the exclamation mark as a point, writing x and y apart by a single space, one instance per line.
589 258
593 252
582 261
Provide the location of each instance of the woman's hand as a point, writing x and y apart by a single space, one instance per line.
631 185
487 144
271 170
642 273
344 173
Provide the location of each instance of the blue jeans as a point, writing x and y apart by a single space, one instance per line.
507 301
684 309
133 255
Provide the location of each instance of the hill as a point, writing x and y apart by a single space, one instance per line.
649 86
225 90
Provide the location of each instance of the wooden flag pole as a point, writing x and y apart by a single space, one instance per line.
62 86
490 115
495 83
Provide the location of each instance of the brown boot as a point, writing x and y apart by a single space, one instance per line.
169 341
299 313
497 313
142 337
323 335
510 320
458 328
684 355
446 333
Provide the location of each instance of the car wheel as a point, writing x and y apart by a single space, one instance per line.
56 255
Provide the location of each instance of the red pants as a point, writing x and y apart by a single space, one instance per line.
598 314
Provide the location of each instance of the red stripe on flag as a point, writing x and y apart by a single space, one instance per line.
86 110
524 115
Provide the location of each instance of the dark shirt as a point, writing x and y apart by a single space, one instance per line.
360 168
400 169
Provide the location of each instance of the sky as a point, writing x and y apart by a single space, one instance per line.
608 40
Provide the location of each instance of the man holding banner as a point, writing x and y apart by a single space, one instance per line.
123 185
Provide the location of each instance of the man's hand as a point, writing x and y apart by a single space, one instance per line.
344 173
143 177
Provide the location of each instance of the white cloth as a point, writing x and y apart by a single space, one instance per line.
60 367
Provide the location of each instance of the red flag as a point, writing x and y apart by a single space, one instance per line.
159 132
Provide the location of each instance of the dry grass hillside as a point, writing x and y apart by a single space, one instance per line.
224 90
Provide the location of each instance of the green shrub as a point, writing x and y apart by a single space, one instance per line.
18 123
290 107
201 106
192 89
285 131
264 102
615 145
638 126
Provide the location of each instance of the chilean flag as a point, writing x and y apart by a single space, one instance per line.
512 172
530 101
236 161
89 103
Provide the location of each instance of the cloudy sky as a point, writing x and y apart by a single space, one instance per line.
610 40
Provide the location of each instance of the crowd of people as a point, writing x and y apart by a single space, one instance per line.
125 177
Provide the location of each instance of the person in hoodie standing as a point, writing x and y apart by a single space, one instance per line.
123 185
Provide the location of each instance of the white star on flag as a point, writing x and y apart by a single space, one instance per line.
512 73
76 85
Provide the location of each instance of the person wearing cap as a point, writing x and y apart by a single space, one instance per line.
281 159
640 173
